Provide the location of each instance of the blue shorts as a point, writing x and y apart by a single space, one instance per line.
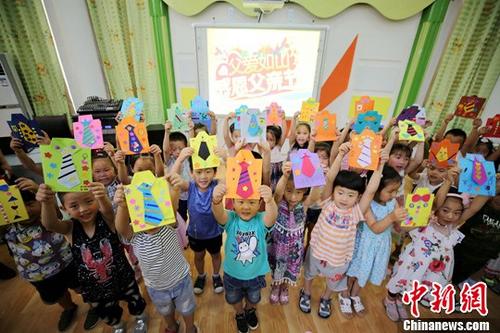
180 298
236 289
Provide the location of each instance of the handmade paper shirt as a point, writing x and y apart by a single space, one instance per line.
364 104
306 168
132 136
477 175
243 176
369 119
66 166
444 153
411 131
494 127
204 155
326 126
274 114
131 107
148 201
12 208
419 208
308 111
25 130
414 113
365 152
88 132
177 116
199 112
469 106
253 126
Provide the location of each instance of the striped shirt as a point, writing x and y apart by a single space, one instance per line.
332 239
160 257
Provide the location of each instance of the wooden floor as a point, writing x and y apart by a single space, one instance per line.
21 310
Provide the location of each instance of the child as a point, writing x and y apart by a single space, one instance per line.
286 248
300 135
245 264
373 242
103 273
43 258
104 172
204 233
165 270
431 177
332 240
455 135
275 136
230 133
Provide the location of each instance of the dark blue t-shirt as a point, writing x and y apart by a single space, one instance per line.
202 223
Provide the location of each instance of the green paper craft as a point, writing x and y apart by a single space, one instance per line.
177 116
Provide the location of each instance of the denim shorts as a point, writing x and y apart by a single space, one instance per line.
236 289
180 298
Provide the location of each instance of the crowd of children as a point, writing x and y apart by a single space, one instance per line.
343 231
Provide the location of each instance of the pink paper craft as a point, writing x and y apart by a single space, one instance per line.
306 169
88 132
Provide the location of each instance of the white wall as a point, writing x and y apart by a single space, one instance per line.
380 60
75 43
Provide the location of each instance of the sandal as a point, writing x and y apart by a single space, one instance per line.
359 308
345 306
274 296
284 296
401 309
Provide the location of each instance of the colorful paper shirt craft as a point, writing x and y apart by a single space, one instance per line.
410 131
443 154
469 106
253 126
306 168
12 208
414 113
477 176
148 201
363 104
177 116
199 112
274 114
237 119
308 110
131 107
419 208
88 132
24 129
132 136
370 119
243 176
204 155
365 152
66 166
493 124
326 126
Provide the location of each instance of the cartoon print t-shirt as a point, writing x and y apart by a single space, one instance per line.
38 253
245 247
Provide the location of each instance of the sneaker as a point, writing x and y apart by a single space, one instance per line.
91 319
391 309
199 284
401 310
66 318
218 286
241 323
252 320
141 324
304 302
325 308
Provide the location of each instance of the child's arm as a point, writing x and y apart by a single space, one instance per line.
440 133
312 140
389 125
451 178
472 137
373 184
291 136
266 161
159 167
17 146
340 140
178 182
49 217
178 165
475 206
105 207
213 123
284 128
166 141
417 159
122 217
334 170
218 210
271 210
494 156
279 191
190 126
399 214
121 167
225 130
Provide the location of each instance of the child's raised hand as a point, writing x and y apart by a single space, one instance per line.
26 184
393 122
453 174
399 214
109 149
240 144
43 140
16 144
345 148
264 146
296 115
174 179
218 193
314 132
211 114
98 190
286 168
476 123
155 149
266 193
119 157
483 130
449 117
45 194
168 126
221 153
384 156
119 198
185 153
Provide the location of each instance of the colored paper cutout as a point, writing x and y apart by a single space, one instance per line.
326 126
365 152
132 136
199 112
364 104
477 176
308 111
274 114
187 95
177 116
88 132
338 80
253 125
419 208
411 131
148 201
494 127
469 106
244 176
24 129
67 167
370 119
204 155
415 113
443 154
12 208
237 116
382 105
131 107
306 168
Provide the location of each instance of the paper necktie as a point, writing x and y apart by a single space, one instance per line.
365 156
135 145
152 212
478 173
203 151
68 177
411 130
244 188
88 138
307 166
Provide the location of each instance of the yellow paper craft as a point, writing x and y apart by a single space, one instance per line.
365 151
149 203
444 153
244 176
12 208
363 104
132 136
326 126
309 110
204 155
419 208
410 131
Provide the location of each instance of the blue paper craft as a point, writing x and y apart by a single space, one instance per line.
26 130
370 120
131 107
477 176
306 168
237 113
199 112
253 125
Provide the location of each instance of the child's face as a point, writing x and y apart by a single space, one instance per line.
455 139
246 209
301 135
203 177
399 161
389 192
81 206
103 171
176 147
236 135
451 211
292 195
34 209
435 174
345 198
324 160
271 139
144 164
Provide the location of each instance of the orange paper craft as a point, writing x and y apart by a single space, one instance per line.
443 154
234 171
326 126
365 152
132 136
274 114
363 104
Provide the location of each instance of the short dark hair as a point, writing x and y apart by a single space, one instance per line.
389 175
457 132
190 159
322 146
102 155
401 148
178 136
28 196
351 180
487 142
198 126
275 131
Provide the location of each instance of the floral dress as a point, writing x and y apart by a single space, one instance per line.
428 258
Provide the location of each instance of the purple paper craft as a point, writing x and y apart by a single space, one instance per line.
306 169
